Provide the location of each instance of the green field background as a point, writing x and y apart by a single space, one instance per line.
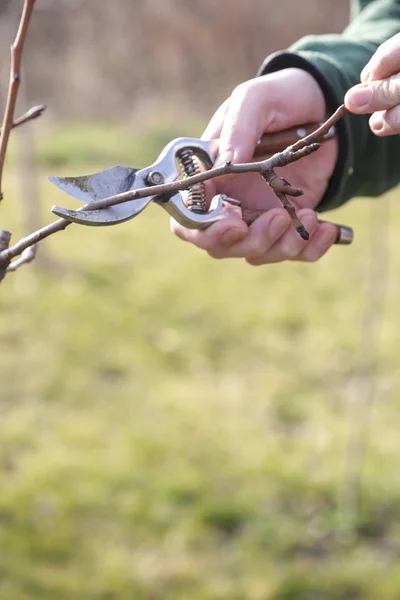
174 427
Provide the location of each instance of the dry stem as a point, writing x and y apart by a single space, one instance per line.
27 256
15 79
32 113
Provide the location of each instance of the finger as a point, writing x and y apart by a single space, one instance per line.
385 62
370 97
213 129
242 126
386 122
322 239
223 234
262 234
290 245
266 104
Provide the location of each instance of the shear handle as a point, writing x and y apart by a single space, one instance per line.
280 140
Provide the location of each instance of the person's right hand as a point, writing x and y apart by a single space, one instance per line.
269 103
379 92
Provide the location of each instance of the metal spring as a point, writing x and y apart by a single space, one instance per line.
197 193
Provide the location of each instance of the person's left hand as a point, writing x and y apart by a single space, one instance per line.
271 103
379 92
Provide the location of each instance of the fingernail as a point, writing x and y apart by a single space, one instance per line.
223 158
361 95
232 236
278 225
376 122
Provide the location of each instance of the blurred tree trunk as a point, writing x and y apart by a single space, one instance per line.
29 194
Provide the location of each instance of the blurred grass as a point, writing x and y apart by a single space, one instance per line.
174 427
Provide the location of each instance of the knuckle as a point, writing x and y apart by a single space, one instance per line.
257 248
244 88
290 250
392 119
255 262
216 254
387 91
240 90
207 245
381 59
310 255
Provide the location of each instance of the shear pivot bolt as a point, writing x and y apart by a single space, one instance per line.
155 178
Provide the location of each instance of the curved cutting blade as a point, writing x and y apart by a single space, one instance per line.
87 188
99 185
105 216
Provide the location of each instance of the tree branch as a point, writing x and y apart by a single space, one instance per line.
27 256
15 79
280 186
9 253
32 113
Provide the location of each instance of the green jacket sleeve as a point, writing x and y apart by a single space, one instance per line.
367 165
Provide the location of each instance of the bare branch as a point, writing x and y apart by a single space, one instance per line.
265 167
32 113
27 256
290 209
15 79
319 133
282 189
33 238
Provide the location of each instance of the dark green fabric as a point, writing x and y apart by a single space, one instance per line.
367 165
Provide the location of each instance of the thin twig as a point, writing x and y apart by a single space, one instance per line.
32 238
32 113
265 168
290 209
317 135
27 256
15 79
282 188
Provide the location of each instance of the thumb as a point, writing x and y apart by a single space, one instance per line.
272 103
242 126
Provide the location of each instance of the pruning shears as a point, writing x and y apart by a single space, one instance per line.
181 158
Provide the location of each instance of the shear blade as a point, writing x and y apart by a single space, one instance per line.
97 186
104 216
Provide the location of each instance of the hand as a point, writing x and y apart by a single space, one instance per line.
269 103
379 92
